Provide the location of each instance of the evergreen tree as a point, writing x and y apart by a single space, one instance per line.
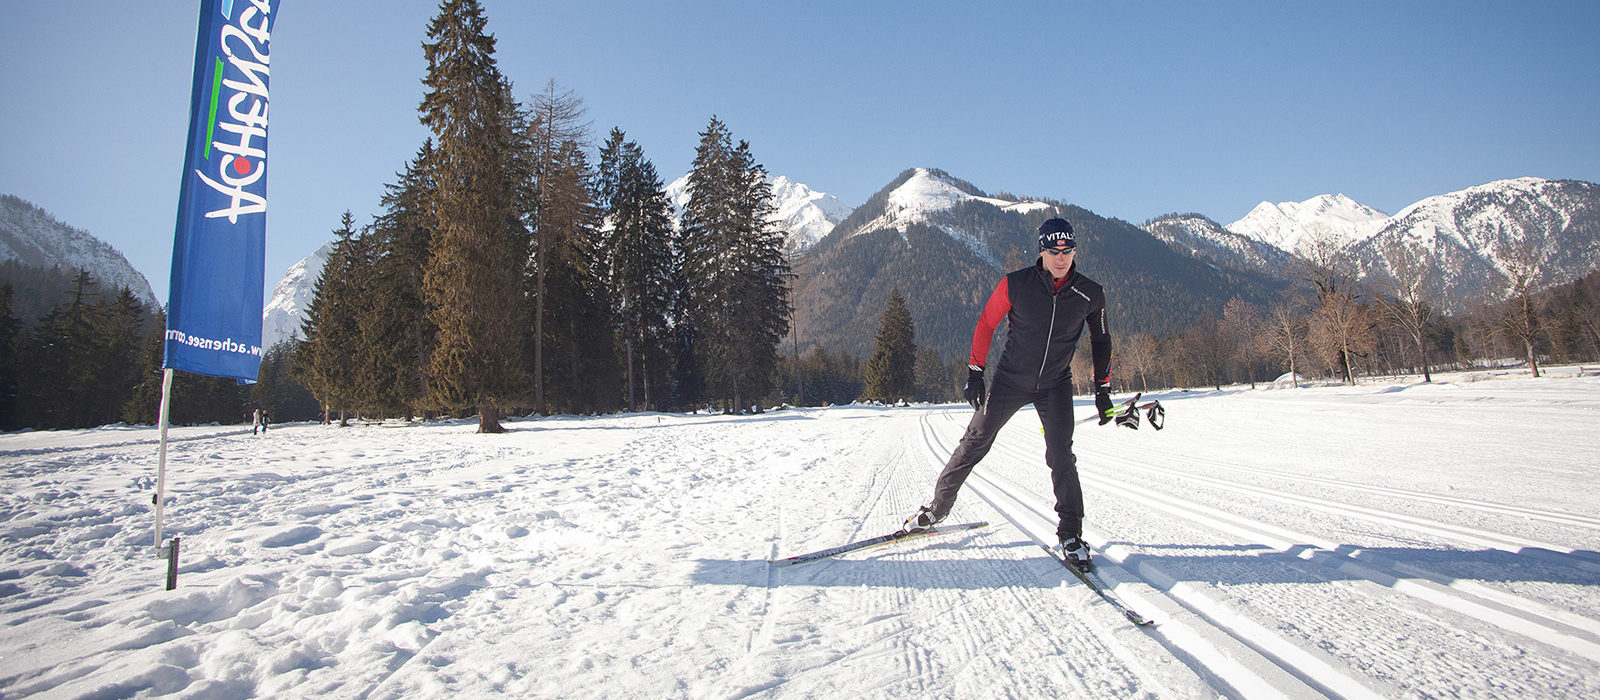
637 246
396 330
932 377
734 273
10 337
275 390
194 399
891 370
327 362
122 334
472 283
580 373
60 390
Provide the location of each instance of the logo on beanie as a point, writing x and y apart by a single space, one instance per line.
1056 233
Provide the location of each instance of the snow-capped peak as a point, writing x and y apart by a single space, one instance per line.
928 191
807 214
927 196
1289 225
283 315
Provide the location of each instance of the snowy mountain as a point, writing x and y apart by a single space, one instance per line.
944 244
1289 226
283 314
1200 237
1475 236
1468 238
806 214
934 198
33 237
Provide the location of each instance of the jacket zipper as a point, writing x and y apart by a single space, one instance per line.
1047 334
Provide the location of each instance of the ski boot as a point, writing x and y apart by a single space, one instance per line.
1075 552
921 521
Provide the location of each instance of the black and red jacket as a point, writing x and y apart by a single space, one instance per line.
1047 317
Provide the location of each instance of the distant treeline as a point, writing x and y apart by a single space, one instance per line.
94 358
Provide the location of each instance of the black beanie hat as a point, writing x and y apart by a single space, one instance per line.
1056 233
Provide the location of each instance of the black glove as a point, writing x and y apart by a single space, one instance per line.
1102 402
974 391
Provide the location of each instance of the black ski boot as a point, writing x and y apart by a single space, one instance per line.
1075 552
921 521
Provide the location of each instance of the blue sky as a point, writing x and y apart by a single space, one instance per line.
1128 112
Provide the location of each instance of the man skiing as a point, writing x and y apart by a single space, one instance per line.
1048 305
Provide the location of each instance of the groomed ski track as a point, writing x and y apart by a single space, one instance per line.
1261 582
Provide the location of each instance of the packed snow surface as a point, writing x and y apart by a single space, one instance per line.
1383 540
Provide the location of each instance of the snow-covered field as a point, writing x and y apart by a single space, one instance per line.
1382 540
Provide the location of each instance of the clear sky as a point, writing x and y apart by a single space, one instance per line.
1129 112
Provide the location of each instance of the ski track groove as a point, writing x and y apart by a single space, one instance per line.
1524 616
1324 672
1543 624
1553 516
1309 666
1049 626
1509 543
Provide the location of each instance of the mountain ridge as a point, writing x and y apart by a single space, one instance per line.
32 236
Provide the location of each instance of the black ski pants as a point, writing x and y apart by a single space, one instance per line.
1054 406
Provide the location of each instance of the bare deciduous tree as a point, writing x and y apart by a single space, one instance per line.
1519 317
1338 325
1136 357
1407 305
1241 324
1283 333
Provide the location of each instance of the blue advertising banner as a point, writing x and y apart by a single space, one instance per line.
219 249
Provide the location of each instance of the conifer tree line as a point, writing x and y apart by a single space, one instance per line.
512 272
94 359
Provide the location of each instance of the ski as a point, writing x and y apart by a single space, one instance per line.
879 541
1104 594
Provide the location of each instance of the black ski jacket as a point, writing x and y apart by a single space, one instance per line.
1045 326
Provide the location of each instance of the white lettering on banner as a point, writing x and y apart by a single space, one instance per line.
243 162
257 116
257 205
227 345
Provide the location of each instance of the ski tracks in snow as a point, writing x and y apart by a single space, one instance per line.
1223 555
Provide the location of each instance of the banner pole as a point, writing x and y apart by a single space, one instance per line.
161 469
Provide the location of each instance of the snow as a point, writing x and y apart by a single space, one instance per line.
291 298
928 198
806 214
33 237
1387 539
1290 225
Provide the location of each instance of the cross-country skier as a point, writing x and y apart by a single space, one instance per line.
1048 306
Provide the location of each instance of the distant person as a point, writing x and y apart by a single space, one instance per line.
1048 305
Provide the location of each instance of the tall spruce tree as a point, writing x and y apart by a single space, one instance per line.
473 280
326 362
891 370
637 249
396 330
733 271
